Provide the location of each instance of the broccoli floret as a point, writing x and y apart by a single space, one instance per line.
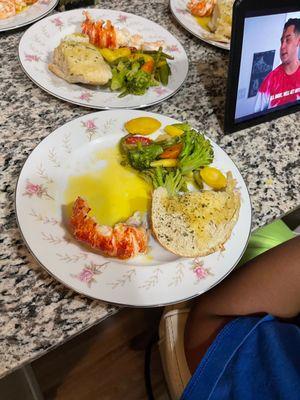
171 179
138 82
141 157
197 152
118 79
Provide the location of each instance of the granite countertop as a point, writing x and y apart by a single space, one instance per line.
37 312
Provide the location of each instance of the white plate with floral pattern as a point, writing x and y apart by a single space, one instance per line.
157 278
29 15
39 41
190 23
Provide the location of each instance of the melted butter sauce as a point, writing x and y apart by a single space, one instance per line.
203 22
22 9
114 192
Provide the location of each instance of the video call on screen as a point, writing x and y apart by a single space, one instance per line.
269 76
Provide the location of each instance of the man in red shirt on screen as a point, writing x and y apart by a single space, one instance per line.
282 85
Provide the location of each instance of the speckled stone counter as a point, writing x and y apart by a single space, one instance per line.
38 313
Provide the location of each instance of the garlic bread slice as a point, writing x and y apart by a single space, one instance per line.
195 224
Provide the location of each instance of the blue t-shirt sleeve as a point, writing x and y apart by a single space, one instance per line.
251 358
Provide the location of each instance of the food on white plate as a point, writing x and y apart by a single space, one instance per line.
142 125
220 12
202 8
9 8
102 55
194 205
221 21
77 61
124 240
187 152
195 224
213 177
104 35
187 223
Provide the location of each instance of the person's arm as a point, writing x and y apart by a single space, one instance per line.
270 283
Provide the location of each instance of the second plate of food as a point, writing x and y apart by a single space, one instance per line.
209 20
133 208
17 13
103 59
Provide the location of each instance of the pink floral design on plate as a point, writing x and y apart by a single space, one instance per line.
57 22
90 127
181 11
172 48
199 270
45 2
86 96
122 18
89 124
160 91
39 191
89 271
31 57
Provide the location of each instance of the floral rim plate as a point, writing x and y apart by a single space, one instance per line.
28 16
185 18
157 278
39 41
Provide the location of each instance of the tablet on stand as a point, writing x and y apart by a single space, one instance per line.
264 67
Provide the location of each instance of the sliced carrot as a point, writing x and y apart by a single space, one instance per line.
172 151
148 66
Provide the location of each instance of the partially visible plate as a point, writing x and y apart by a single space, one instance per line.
186 19
28 16
158 278
39 41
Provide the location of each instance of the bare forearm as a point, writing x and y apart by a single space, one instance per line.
268 284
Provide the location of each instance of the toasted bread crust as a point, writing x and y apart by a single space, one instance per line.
178 233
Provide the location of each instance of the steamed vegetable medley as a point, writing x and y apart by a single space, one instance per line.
179 156
134 72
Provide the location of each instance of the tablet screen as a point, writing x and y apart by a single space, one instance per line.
269 74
